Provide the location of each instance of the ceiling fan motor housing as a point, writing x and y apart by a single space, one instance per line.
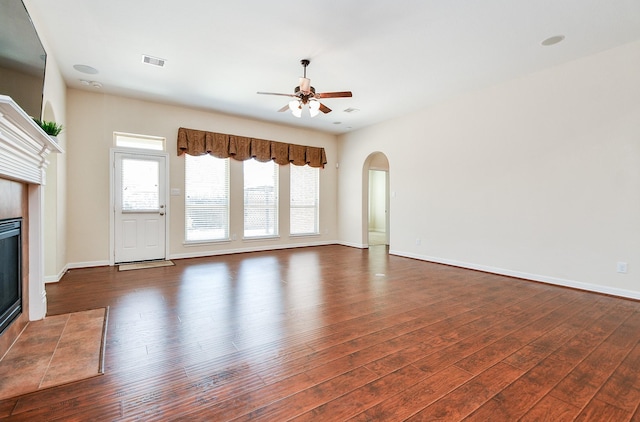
304 97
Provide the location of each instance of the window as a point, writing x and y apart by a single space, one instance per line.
304 200
206 195
260 199
129 140
140 188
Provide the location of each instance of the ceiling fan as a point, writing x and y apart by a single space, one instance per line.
305 94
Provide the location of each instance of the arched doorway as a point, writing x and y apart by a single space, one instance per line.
376 201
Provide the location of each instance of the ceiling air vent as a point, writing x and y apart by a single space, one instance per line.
351 110
155 61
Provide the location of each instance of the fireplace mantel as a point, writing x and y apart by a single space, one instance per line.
24 148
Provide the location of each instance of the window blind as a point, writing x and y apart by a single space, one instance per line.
260 198
206 198
304 200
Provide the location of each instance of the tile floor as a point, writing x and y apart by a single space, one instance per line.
56 350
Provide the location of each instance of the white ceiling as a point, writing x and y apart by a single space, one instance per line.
394 56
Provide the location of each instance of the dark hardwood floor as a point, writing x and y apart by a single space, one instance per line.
335 333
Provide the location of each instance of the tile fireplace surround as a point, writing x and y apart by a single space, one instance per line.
24 148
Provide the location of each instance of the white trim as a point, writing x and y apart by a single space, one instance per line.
37 292
56 278
299 235
261 238
88 264
192 243
354 245
251 249
630 294
24 146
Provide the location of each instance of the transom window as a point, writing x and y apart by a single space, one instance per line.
130 140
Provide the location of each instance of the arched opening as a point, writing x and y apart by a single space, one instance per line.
376 200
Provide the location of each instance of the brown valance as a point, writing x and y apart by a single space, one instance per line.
239 147
261 150
221 145
297 155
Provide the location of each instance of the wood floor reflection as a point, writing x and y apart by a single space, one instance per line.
335 333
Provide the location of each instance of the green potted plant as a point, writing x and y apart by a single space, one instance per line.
50 128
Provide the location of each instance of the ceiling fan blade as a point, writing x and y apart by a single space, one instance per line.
276 93
285 108
324 109
340 94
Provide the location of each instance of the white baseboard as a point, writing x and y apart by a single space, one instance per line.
630 294
57 277
53 279
257 248
354 245
88 264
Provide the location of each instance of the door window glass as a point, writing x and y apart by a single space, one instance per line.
140 187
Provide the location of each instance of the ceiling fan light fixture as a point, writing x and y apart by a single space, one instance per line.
314 108
297 112
294 104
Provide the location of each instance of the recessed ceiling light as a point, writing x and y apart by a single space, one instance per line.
552 40
85 69
154 61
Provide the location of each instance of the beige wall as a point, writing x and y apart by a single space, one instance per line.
93 117
537 177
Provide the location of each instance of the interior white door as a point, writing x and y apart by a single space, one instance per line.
139 207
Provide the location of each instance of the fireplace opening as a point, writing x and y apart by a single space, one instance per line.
10 271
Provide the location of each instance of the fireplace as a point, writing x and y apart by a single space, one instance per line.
10 271
24 148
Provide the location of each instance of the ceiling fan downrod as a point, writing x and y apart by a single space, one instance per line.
305 63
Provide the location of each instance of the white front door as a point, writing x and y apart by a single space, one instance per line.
139 207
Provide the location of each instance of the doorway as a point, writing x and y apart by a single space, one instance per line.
377 221
139 207
377 204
